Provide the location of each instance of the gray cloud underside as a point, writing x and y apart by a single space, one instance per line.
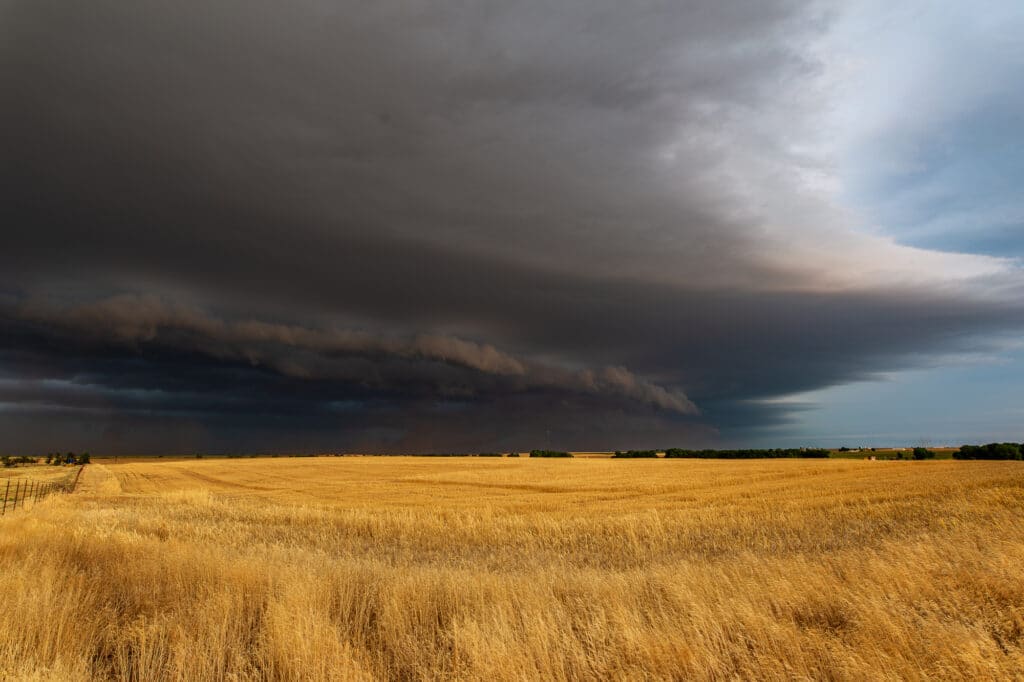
596 215
374 362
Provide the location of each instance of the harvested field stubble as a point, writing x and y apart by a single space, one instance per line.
510 569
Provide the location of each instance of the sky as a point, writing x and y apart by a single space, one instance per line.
410 226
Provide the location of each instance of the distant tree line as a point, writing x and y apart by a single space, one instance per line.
9 461
57 459
549 453
748 453
990 451
460 454
427 454
635 454
917 453
54 458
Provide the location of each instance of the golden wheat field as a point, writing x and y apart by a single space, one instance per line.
517 569
37 472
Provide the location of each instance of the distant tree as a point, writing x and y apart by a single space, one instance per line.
636 454
923 453
967 452
990 451
1003 451
83 458
774 453
549 453
513 454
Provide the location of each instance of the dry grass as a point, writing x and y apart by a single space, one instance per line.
37 472
404 568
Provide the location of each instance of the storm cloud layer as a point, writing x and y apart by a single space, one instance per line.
440 226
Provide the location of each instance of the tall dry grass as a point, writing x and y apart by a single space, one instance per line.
510 570
44 473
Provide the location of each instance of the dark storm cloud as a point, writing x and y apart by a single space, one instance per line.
434 225
442 364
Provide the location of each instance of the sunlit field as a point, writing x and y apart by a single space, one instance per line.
518 569
37 472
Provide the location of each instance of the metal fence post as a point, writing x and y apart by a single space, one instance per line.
7 490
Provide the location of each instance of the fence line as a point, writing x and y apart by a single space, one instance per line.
26 490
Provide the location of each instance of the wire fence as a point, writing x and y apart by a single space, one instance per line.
21 492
